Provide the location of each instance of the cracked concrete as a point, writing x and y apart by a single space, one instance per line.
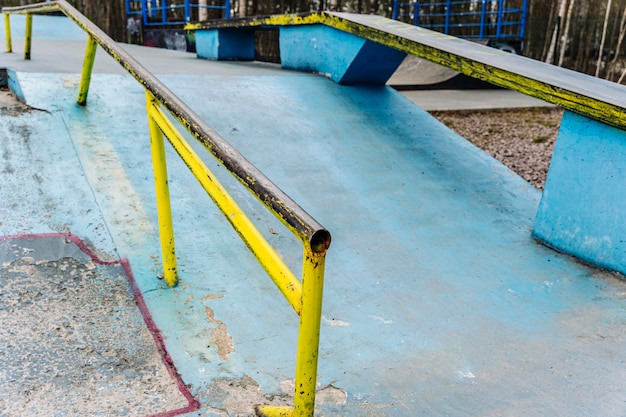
73 340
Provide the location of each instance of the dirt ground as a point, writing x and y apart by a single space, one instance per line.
9 104
522 139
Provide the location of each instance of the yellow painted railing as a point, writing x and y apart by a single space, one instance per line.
304 294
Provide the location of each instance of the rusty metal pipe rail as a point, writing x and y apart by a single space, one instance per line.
308 230
583 94
305 296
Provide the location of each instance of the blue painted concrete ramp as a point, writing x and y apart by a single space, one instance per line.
438 302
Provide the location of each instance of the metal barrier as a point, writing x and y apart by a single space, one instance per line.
304 295
167 13
469 19
580 93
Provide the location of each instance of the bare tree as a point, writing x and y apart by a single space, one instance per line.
620 39
556 32
606 21
202 11
565 37
621 77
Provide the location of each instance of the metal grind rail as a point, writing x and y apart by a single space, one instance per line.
304 295
489 19
580 93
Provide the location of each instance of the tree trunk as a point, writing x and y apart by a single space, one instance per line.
621 76
546 37
606 21
202 11
565 37
556 33
620 39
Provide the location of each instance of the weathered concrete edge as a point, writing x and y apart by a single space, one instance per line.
193 404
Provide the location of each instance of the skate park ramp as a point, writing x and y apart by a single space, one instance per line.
437 299
420 74
416 71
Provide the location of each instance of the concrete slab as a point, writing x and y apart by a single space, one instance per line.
66 318
44 27
48 57
417 71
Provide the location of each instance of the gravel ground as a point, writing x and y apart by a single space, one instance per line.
522 139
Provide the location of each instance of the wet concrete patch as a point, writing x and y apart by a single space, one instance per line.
76 337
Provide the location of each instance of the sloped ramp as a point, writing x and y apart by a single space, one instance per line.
420 74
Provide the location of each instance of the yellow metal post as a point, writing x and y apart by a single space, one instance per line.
7 31
164 210
309 332
85 79
308 340
28 39
284 279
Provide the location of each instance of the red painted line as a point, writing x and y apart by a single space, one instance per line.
193 404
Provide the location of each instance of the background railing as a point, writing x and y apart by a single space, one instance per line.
304 295
497 20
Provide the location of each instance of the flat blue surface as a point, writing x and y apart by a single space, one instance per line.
437 300
225 44
374 65
44 27
207 44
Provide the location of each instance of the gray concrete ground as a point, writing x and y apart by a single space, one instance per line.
418 72
48 58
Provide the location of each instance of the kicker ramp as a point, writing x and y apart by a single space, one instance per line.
581 208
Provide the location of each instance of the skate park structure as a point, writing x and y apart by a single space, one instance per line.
438 298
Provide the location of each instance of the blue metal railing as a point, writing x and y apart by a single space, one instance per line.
171 12
471 19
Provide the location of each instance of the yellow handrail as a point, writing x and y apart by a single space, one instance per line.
7 32
272 263
305 296
164 210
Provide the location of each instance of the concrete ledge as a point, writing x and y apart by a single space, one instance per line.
342 57
225 44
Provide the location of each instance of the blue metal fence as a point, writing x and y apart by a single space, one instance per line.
498 20
171 12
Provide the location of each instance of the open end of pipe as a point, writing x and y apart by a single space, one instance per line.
320 241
